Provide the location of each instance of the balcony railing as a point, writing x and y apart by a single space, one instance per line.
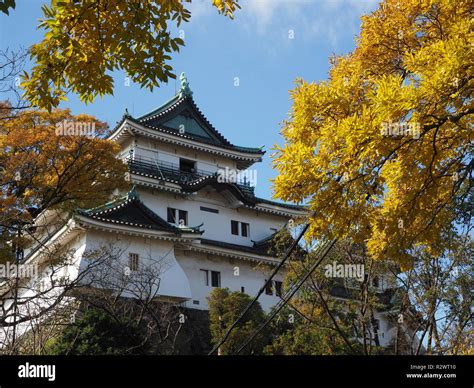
170 171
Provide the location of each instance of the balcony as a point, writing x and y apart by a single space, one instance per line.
169 171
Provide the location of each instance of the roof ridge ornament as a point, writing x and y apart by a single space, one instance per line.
184 90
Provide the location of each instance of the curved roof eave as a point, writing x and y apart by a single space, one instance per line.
176 138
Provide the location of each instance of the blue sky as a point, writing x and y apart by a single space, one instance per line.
267 46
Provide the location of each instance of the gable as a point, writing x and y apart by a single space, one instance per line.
181 116
186 123
185 118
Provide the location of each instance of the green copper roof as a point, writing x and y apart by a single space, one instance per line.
131 211
160 109
180 115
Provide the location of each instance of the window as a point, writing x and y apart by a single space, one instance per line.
205 276
215 279
133 261
208 209
242 289
186 165
234 225
268 288
171 215
183 217
274 285
244 228
176 216
278 288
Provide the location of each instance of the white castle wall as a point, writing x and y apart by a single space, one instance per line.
39 294
173 281
235 274
216 226
150 149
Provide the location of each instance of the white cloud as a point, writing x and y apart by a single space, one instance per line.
200 8
309 19
322 18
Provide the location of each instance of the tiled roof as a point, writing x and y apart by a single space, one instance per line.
192 182
384 298
275 245
237 247
282 204
263 247
178 104
130 211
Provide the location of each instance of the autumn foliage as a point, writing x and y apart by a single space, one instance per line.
382 150
42 167
85 41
